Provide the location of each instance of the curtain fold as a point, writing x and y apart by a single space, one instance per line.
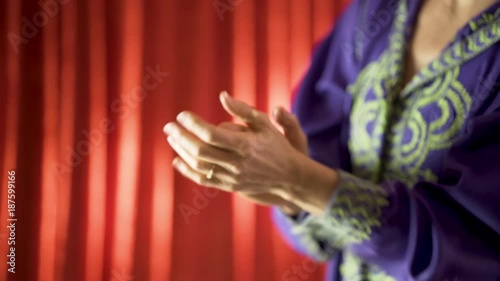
87 88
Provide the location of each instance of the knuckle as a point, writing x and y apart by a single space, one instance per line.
239 177
229 139
252 113
239 168
247 146
198 165
200 151
265 136
257 115
209 136
230 187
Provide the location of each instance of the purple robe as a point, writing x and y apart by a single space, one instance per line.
419 194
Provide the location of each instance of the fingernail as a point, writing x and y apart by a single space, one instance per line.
168 128
181 117
276 112
170 140
224 96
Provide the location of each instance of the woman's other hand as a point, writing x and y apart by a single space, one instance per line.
252 161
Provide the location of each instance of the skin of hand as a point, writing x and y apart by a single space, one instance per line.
257 160
293 133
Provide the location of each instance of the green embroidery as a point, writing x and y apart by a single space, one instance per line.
486 18
351 270
373 94
486 32
452 103
351 267
383 115
308 233
355 210
382 107
354 213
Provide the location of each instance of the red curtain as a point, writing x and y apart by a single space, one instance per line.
87 88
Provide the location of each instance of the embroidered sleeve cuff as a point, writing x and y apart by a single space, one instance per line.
354 210
305 235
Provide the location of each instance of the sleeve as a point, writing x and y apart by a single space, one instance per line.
325 126
449 230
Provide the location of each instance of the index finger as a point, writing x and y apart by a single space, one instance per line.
207 132
251 116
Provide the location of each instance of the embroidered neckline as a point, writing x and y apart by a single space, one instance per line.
484 19
485 32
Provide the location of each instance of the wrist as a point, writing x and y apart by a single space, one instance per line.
314 185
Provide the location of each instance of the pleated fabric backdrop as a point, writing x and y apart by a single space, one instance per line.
87 86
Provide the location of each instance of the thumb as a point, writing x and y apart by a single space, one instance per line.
291 127
238 109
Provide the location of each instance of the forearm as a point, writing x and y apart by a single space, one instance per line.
315 184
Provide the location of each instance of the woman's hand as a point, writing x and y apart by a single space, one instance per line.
294 134
257 160
254 161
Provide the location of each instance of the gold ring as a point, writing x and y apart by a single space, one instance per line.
210 173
